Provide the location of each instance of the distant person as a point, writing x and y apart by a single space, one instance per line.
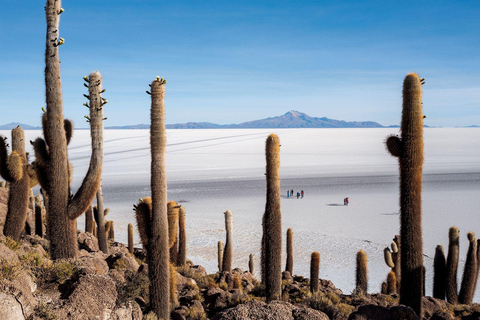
288 193
301 192
291 192
346 201
298 194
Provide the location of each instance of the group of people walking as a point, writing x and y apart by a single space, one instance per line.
291 194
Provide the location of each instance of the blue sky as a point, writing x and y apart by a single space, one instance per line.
235 61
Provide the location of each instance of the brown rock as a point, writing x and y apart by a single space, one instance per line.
16 300
121 260
95 261
278 310
87 241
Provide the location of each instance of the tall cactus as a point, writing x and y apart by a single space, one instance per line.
130 237
289 263
158 250
409 150
314 271
452 265
182 238
440 273
228 251
469 272
362 273
272 223
13 169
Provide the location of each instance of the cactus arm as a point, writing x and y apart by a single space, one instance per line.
387 255
15 165
4 172
91 183
143 214
394 145
68 125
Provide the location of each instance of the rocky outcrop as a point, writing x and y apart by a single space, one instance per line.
278 310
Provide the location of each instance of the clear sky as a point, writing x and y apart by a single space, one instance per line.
235 61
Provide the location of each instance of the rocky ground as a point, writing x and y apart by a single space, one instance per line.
115 286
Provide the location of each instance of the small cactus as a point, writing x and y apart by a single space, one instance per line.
440 273
251 264
220 255
39 213
130 238
172 214
362 273
289 263
228 251
314 271
469 273
391 283
452 265
182 239
89 220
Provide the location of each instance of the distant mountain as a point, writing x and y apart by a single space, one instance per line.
296 119
12 125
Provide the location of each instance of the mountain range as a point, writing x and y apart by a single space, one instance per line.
291 119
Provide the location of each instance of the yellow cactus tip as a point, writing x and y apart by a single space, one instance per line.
158 78
61 11
471 236
43 109
61 41
424 116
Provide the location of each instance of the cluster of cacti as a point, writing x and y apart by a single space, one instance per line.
151 213
361 272
392 259
445 272
13 168
289 262
272 223
409 150
314 271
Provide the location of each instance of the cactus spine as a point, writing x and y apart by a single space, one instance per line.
409 150
52 166
14 170
362 273
452 265
220 255
440 273
289 263
182 239
158 251
469 272
314 271
272 223
130 237
228 251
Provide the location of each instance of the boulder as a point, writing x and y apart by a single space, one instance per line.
278 310
87 242
16 300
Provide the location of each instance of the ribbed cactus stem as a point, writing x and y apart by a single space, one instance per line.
251 264
289 263
396 256
228 251
172 213
220 255
452 265
469 272
158 249
362 272
111 233
272 222
409 150
18 193
182 238
439 273
314 271
130 237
